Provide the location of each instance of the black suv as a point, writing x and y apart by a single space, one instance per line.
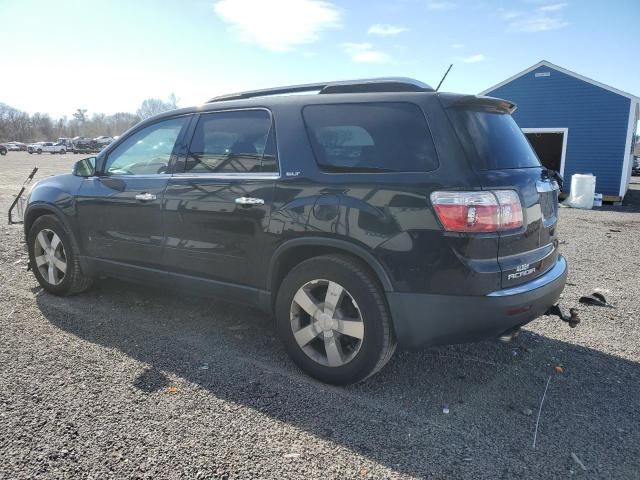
364 214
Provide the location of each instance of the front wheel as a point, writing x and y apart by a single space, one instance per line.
39 152
54 264
333 320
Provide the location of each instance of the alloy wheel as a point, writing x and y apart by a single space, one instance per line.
327 323
50 256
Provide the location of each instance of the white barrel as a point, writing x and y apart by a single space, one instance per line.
583 188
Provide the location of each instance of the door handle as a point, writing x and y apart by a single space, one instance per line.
145 197
249 201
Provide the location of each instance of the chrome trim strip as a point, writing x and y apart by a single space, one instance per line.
556 272
228 176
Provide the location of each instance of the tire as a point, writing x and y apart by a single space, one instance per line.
63 283
358 357
39 151
3 152
63 151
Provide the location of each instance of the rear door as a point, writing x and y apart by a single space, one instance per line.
217 205
503 159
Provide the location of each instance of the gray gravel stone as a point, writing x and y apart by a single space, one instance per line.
85 382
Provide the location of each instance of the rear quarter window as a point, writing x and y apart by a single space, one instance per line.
495 138
370 137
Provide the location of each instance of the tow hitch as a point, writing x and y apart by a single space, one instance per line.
19 201
572 319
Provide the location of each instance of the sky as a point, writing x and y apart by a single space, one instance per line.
108 56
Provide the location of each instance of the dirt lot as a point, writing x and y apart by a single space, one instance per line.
129 382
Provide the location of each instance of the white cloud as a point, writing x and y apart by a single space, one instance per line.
552 8
364 53
278 25
538 23
509 14
473 58
441 5
457 45
540 19
383 29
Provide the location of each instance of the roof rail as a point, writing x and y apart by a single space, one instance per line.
367 85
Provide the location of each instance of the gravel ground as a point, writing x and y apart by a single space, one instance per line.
129 382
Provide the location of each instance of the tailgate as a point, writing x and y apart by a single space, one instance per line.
503 159
529 252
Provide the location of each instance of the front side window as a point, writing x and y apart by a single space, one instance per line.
370 137
146 152
233 142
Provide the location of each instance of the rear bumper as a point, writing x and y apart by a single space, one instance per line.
422 319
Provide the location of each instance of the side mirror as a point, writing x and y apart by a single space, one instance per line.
85 167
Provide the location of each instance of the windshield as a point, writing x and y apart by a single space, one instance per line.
496 138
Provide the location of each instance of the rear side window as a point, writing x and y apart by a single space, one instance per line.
233 142
496 138
370 137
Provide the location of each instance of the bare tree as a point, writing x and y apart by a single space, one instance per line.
20 126
42 126
81 115
154 106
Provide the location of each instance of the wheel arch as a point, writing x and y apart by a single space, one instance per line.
297 250
37 210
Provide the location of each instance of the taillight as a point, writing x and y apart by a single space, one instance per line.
486 211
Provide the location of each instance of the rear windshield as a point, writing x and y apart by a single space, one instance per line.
370 137
496 138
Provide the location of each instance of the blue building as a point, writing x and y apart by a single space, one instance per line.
575 124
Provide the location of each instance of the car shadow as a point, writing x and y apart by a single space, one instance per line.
492 391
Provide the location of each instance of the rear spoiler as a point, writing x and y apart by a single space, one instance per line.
474 102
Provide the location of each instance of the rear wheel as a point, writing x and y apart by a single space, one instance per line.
54 264
63 151
39 151
333 320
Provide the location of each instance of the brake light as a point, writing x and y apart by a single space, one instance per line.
486 211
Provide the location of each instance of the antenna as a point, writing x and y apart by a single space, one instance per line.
445 76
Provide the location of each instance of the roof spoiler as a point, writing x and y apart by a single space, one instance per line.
474 102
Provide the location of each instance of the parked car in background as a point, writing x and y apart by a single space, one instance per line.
16 146
58 147
85 145
635 171
372 213
35 147
67 142
3 149
103 140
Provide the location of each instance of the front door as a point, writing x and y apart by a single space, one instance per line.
216 210
119 209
